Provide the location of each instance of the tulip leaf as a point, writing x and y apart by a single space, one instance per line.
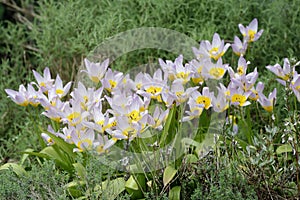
66 147
41 155
191 158
134 186
174 193
245 129
168 175
112 188
80 170
57 156
131 184
165 131
73 188
286 148
19 170
25 156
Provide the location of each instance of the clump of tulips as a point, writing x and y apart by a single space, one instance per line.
121 107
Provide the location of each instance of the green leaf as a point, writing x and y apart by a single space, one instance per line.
286 148
66 147
131 184
57 156
174 193
191 158
41 155
134 186
74 188
80 170
25 156
165 132
19 170
112 188
245 129
168 175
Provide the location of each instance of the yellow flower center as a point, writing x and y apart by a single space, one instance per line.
241 99
24 103
182 75
206 101
214 50
100 122
99 149
153 90
59 91
217 72
73 116
134 115
213 53
95 79
240 70
138 86
112 83
285 77
179 93
49 140
198 80
251 34
268 108
57 119
256 95
86 141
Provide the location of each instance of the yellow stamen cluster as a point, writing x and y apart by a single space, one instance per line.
206 101
217 72
241 99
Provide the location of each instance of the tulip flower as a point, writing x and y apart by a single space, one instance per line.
96 71
268 103
250 32
239 47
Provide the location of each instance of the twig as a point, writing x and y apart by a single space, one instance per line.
31 48
15 7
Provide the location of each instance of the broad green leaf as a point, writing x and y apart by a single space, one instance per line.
133 188
25 156
68 148
112 188
285 148
168 175
73 188
19 170
131 184
57 156
174 193
80 170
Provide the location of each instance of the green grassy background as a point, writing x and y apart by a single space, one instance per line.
60 34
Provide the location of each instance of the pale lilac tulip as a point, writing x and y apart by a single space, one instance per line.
96 71
250 32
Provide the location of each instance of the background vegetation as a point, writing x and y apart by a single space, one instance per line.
60 34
